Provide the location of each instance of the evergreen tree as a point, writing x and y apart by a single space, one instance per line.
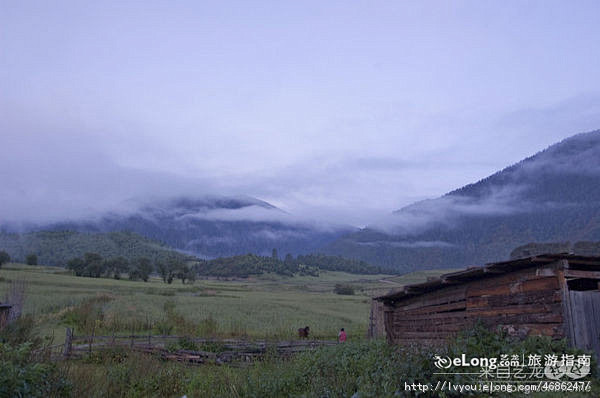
31 259
4 257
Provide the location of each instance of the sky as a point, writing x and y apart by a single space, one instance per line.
331 110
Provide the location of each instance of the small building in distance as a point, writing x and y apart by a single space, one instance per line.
4 312
553 295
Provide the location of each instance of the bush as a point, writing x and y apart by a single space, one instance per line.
31 259
163 327
174 321
208 327
21 375
4 257
344 289
20 331
88 315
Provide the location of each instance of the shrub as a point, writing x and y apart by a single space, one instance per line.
31 259
4 257
20 331
208 326
163 327
344 289
88 315
21 375
181 325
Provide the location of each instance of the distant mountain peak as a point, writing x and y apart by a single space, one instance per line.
210 225
551 196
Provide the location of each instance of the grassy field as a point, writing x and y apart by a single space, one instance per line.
269 306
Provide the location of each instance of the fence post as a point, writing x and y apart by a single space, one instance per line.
92 338
68 343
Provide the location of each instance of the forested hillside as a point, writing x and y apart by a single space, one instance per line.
62 248
58 247
213 226
553 196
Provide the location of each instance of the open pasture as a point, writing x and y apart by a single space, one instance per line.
268 306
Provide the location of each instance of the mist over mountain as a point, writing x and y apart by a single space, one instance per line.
212 226
553 196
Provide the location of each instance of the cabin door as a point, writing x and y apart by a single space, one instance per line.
388 321
585 313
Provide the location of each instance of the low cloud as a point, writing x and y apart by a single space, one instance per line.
448 210
575 155
273 235
62 169
407 244
249 213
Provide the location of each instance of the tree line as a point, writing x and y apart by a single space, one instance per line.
93 265
169 268
311 264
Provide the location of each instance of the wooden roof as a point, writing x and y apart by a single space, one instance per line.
480 272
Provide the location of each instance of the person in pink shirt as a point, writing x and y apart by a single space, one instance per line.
342 336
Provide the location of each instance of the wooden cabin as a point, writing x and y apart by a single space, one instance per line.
4 312
553 295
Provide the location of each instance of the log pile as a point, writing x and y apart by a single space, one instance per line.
218 351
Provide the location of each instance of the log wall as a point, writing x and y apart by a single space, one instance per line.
526 302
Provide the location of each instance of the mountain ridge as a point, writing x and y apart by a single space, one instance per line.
553 195
210 226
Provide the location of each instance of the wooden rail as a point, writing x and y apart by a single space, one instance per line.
215 351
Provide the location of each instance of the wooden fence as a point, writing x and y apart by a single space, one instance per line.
215 351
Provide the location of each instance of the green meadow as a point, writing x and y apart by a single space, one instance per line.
269 306
266 307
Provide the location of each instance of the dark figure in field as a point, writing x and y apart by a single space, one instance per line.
303 332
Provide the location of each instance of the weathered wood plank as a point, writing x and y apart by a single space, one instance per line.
574 273
458 305
515 309
430 317
537 283
578 317
595 330
424 335
533 297
534 318
451 327
503 279
442 296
